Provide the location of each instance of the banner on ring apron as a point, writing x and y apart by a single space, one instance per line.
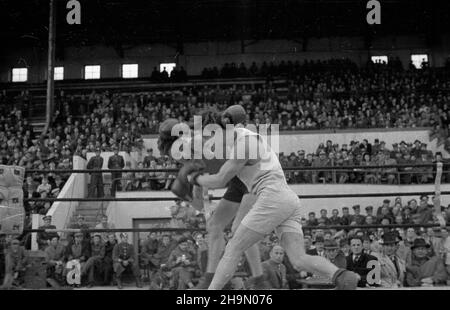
12 211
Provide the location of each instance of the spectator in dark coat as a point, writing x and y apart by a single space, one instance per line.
357 261
273 269
424 270
334 254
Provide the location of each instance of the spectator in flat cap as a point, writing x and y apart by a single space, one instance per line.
77 253
357 217
346 218
386 203
423 270
54 257
369 211
43 238
334 254
80 224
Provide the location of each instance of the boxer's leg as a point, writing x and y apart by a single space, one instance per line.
293 244
221 217
242 240
252 254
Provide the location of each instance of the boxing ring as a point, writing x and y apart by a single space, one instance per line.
359 169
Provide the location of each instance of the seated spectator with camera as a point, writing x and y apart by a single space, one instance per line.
183 264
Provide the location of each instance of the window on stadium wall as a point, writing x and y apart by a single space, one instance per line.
59 73
168 66
19 74
129 71
379 59
92 72
418 59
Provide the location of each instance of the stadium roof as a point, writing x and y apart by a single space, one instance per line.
131 22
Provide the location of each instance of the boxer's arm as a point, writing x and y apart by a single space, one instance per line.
220 180
197 195
229 169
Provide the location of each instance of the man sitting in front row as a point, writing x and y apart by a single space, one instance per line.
123 257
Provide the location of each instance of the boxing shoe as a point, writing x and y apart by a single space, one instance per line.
119 283
345 280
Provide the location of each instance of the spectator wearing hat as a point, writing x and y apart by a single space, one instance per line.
334 254
358 218
369 211
124 259
274 271
54 257
77 251
95 261
80 224
423 270
357 260
318 250
392 267
96 183
16 260
116 162
424 214
43 238
386 203
183 264
346 218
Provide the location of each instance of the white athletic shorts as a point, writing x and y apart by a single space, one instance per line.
275 209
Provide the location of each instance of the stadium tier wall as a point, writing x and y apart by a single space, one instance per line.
197 56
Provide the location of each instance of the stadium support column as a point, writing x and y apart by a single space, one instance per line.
50 66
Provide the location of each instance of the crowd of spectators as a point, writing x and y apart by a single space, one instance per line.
333 94
175 260
364 153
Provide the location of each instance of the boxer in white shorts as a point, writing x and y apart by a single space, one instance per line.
234 205
277 208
